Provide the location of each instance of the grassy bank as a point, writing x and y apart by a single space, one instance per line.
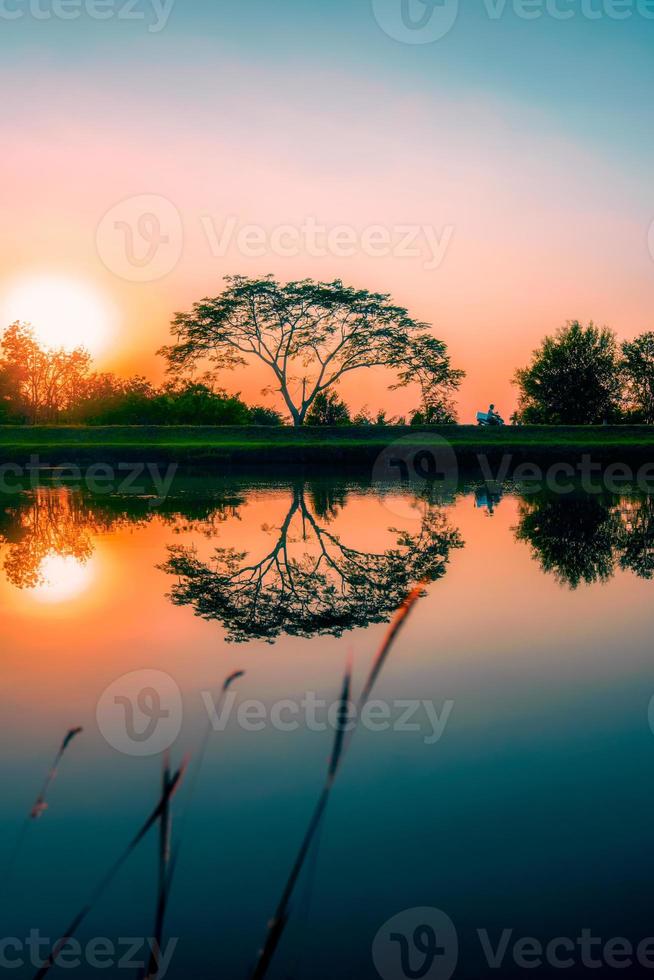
352 446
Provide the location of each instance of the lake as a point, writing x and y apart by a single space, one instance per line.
500 779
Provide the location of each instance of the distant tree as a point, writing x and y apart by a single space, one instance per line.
638 371
574 378
328 409
363 417
40 383
309 335
428 364
434 415
265 416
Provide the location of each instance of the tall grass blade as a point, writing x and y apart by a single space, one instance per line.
165 829
155 816
38 809
168 864
341 744
280 918
40 806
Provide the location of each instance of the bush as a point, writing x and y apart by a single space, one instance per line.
328 409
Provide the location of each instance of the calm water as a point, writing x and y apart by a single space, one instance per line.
533 811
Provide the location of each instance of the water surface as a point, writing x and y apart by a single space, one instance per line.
533 811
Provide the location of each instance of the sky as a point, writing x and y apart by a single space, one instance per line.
491 169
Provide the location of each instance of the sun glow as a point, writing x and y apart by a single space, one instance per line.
63 312
63 578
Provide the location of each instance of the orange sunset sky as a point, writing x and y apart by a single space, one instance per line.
527 145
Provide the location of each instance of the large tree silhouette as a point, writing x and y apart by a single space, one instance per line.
310 335
309 581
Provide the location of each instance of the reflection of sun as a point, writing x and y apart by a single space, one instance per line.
63 312
62 578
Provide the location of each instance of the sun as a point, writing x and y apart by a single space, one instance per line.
63 578
63 312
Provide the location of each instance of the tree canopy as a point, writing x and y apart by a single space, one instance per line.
638 371
573 379
310 335
38 385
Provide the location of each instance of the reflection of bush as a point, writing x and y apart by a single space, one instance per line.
44 523
585 538
310 582
63 522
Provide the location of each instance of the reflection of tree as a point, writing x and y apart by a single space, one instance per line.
47 522
64 522
637 538
309 582
584 538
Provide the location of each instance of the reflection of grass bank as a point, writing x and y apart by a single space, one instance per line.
351 446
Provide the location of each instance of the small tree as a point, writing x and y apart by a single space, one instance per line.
574 378
440 414
638 370
328 409
309 335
